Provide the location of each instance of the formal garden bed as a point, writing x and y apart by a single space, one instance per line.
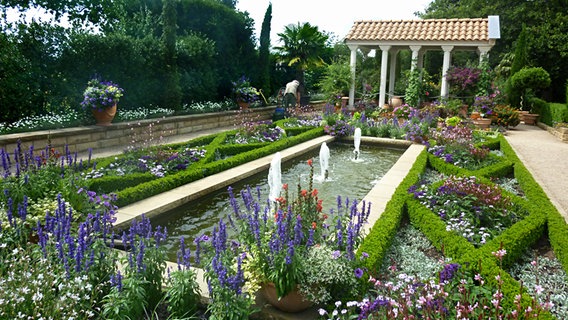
72 246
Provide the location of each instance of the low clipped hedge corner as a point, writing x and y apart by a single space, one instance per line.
542 216
208 166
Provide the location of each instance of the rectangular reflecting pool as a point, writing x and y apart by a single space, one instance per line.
348 178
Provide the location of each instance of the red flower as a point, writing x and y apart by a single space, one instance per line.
314 225
285 186
324 216
310 162
281 201
304 193
319 207
315 193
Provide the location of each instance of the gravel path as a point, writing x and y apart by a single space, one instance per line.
546 157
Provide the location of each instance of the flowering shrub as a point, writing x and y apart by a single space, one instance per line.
456 294
159 162
254 132
469 207
463 81
101 94
404 111
456 145
506 116
338 128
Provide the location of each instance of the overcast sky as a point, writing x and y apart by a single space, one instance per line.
336 16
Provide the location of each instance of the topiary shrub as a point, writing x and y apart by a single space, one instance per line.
528 80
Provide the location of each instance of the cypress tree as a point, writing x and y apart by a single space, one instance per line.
520 60
172 90
264 52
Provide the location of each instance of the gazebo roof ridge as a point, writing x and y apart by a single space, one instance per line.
452 29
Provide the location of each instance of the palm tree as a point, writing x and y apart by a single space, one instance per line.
302 47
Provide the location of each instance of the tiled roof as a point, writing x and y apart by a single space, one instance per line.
420 30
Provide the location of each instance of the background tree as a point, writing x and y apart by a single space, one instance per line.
231 31
520 60
546 24
98 13
172 94
264 53
303 46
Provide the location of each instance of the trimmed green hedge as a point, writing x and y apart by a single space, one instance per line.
379 239
554 113
525 233
208 166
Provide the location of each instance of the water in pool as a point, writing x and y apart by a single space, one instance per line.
347 177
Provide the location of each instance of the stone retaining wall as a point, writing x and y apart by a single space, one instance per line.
561 132
81 139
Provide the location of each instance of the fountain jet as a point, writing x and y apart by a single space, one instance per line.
324 160
275 177
357 142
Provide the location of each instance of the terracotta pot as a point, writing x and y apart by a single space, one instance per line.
482 123
104 117
530 118
395 101
243 105
292 302
475 115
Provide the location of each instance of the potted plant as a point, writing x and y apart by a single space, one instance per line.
278 251
506 116
484 106
101 97
245 93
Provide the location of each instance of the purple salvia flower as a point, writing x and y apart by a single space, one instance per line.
448 272
310 241
350 241
290 252
140 257
116 280
181 252
298 234
233 202
339 233
9 208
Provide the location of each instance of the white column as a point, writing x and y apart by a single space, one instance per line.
415 57
384 61
483 53
447 59
353 64
392 73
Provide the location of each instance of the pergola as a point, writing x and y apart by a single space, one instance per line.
391 36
